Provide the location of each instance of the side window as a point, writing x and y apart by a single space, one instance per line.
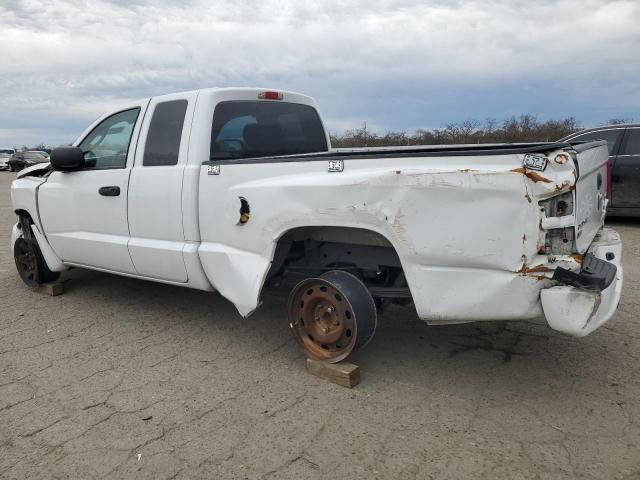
611 136
632 147
108 144
165 131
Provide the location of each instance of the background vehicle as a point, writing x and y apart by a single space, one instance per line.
236 190
21 160
41 152
624 164
5 155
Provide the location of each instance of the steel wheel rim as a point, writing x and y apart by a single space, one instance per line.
322 320
26 262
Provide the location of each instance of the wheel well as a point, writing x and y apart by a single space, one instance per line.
24 213
24 221
311 251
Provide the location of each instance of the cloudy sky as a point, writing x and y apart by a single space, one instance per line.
396 64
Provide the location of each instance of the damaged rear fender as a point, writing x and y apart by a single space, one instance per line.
239 275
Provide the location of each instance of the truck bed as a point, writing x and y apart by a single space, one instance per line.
408 151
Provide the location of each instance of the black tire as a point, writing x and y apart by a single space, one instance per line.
32 268
332 315
360 298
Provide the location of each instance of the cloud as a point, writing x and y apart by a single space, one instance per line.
396 64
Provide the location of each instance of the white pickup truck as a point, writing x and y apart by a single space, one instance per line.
235 190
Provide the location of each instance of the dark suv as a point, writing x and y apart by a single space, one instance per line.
624 164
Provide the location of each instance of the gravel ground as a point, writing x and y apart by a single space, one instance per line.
120 378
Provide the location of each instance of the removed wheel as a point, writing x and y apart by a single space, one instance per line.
30 263
332 315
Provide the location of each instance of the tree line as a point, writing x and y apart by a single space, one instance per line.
525 128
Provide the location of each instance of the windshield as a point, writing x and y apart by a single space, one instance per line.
249 129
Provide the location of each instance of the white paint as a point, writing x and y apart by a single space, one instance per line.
51 259
589 199
577 312
82 226
467 229
155 204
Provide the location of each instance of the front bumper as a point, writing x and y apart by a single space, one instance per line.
579 311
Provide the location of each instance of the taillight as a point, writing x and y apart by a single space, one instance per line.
607 190
558 206
269 95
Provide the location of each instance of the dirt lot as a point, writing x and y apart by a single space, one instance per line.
120 378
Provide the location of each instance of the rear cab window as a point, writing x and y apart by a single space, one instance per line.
251 129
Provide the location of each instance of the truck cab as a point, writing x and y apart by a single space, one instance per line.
132 207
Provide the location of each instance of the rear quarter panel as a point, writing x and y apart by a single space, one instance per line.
451 219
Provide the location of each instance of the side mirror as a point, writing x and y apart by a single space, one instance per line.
66 158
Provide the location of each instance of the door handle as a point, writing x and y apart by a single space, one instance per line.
111 191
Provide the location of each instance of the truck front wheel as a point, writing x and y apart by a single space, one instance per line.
331 315
30 263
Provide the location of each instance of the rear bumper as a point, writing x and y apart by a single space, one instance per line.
579 311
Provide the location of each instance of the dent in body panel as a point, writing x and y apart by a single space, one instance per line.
50 257
448 220
24 193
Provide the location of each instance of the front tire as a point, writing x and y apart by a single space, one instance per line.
32 268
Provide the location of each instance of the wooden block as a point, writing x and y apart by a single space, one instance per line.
343 374
52 289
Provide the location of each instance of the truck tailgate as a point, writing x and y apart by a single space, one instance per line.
591 186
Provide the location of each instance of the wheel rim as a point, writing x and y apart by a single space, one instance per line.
26 262
322 320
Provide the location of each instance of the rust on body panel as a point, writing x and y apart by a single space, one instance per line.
536 269
525 269
577 257
533 176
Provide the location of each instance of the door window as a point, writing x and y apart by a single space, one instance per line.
632 147
611 136
165 131
108 144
